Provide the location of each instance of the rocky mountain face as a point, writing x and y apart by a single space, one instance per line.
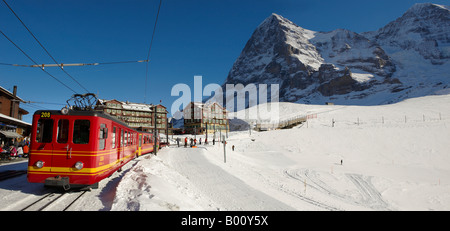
425 28
409 57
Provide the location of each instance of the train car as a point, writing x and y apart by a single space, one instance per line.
72 148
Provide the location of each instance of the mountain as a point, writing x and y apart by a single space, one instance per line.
409 57
424 28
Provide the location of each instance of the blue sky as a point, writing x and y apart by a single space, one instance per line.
200 37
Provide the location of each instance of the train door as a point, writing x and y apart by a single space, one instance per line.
114 142
122 147
140 145
62 150
72 138
42 144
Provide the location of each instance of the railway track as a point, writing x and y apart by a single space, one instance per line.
55 201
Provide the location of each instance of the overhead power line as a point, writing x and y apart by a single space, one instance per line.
40 44
32 60
32 102
150 50
62 65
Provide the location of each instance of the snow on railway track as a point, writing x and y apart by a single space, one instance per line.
52 201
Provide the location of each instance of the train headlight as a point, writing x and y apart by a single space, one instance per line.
64 111
39 164
79 165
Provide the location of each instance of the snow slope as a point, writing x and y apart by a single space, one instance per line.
388 164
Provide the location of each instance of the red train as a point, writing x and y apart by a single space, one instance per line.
72 148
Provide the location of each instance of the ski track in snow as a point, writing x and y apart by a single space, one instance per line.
370 197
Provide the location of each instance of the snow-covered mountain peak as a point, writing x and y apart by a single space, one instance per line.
426 14
276 43
424 28
287 26
408 57
421 8
424 20
275 19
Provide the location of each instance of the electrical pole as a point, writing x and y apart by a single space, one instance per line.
167 130
224 150
227 127
155 146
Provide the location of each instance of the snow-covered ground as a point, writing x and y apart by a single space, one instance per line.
389 163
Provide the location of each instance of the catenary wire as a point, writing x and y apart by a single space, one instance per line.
149 51
40 44
32 60
74 64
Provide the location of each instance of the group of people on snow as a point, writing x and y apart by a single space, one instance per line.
15 149
193 142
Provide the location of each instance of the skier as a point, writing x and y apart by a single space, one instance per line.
178 141
342 162
232 147
185 142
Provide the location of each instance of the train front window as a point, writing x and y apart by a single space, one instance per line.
63 131
81 131
44 132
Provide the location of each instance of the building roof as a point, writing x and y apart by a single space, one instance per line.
11 134
203 105
130 106
11 95
13 120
